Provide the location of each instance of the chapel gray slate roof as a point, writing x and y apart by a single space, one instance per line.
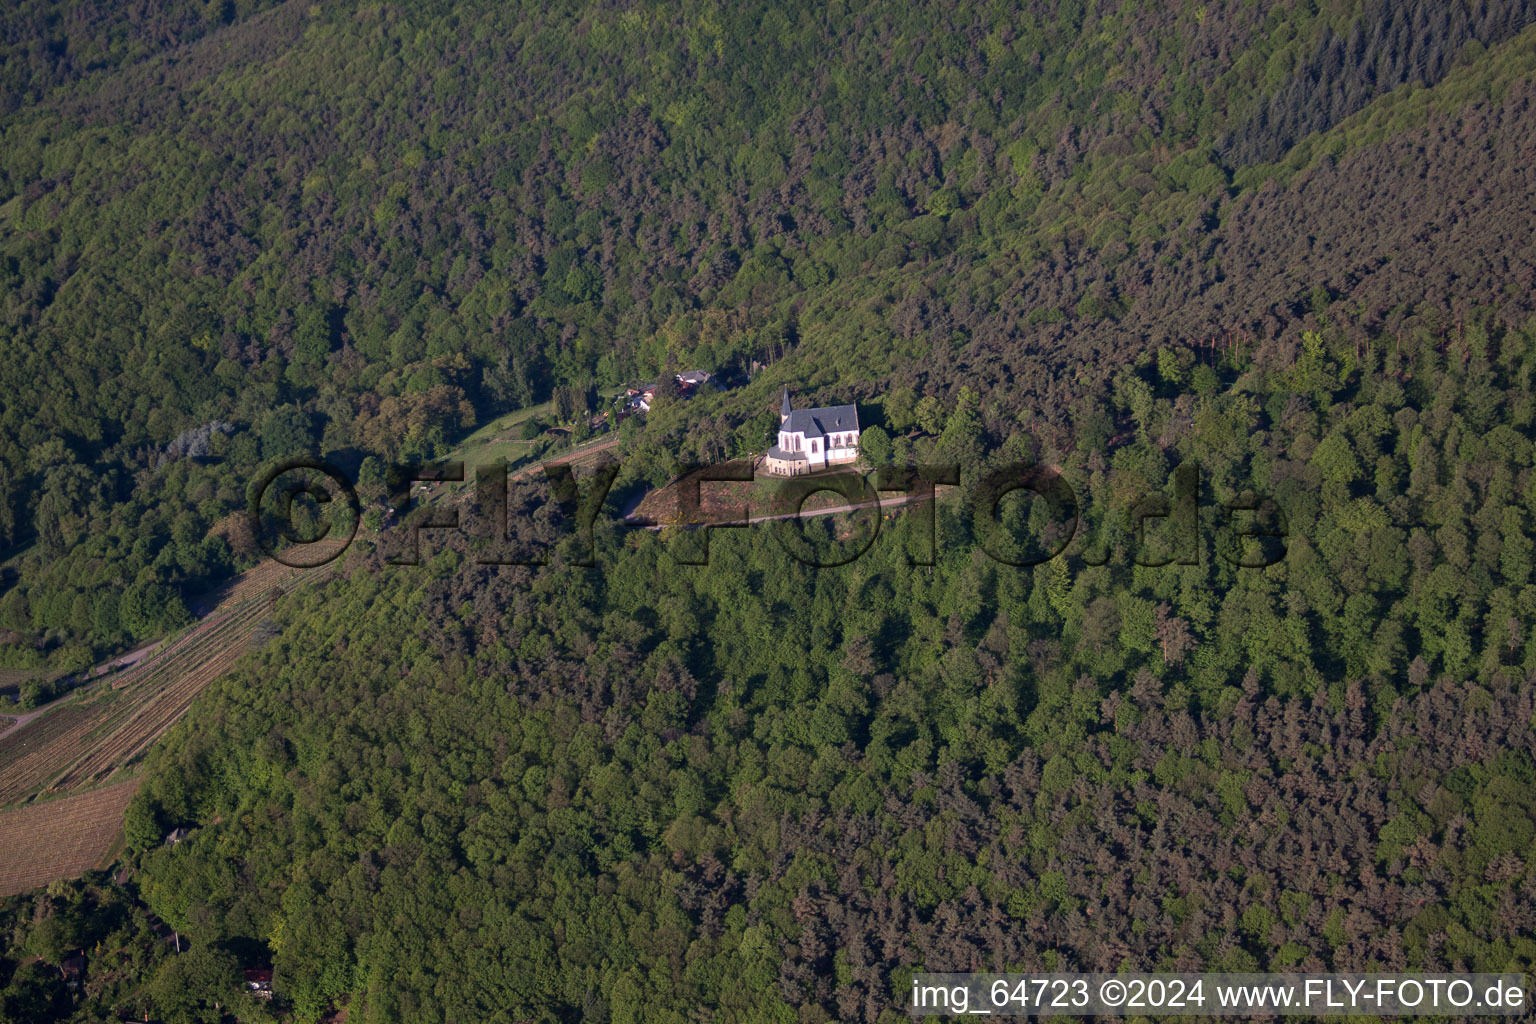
820 422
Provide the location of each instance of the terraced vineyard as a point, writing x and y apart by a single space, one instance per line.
108 725
98 734
60 838
29 757
148 705
103 729
270 574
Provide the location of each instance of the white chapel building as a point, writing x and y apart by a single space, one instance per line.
812 439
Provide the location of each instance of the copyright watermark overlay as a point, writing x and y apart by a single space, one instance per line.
296 501
1218 995
305 513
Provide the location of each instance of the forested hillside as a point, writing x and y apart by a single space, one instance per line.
1290 246
238 232
628 791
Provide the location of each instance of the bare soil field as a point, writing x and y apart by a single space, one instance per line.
60 838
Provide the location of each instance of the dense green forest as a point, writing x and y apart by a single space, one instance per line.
457 792
231 233
1289 245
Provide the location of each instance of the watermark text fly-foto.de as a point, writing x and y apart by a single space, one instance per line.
1251 529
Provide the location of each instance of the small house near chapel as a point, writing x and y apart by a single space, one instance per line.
813 439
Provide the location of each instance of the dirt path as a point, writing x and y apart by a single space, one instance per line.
126 661
91 675
17 721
